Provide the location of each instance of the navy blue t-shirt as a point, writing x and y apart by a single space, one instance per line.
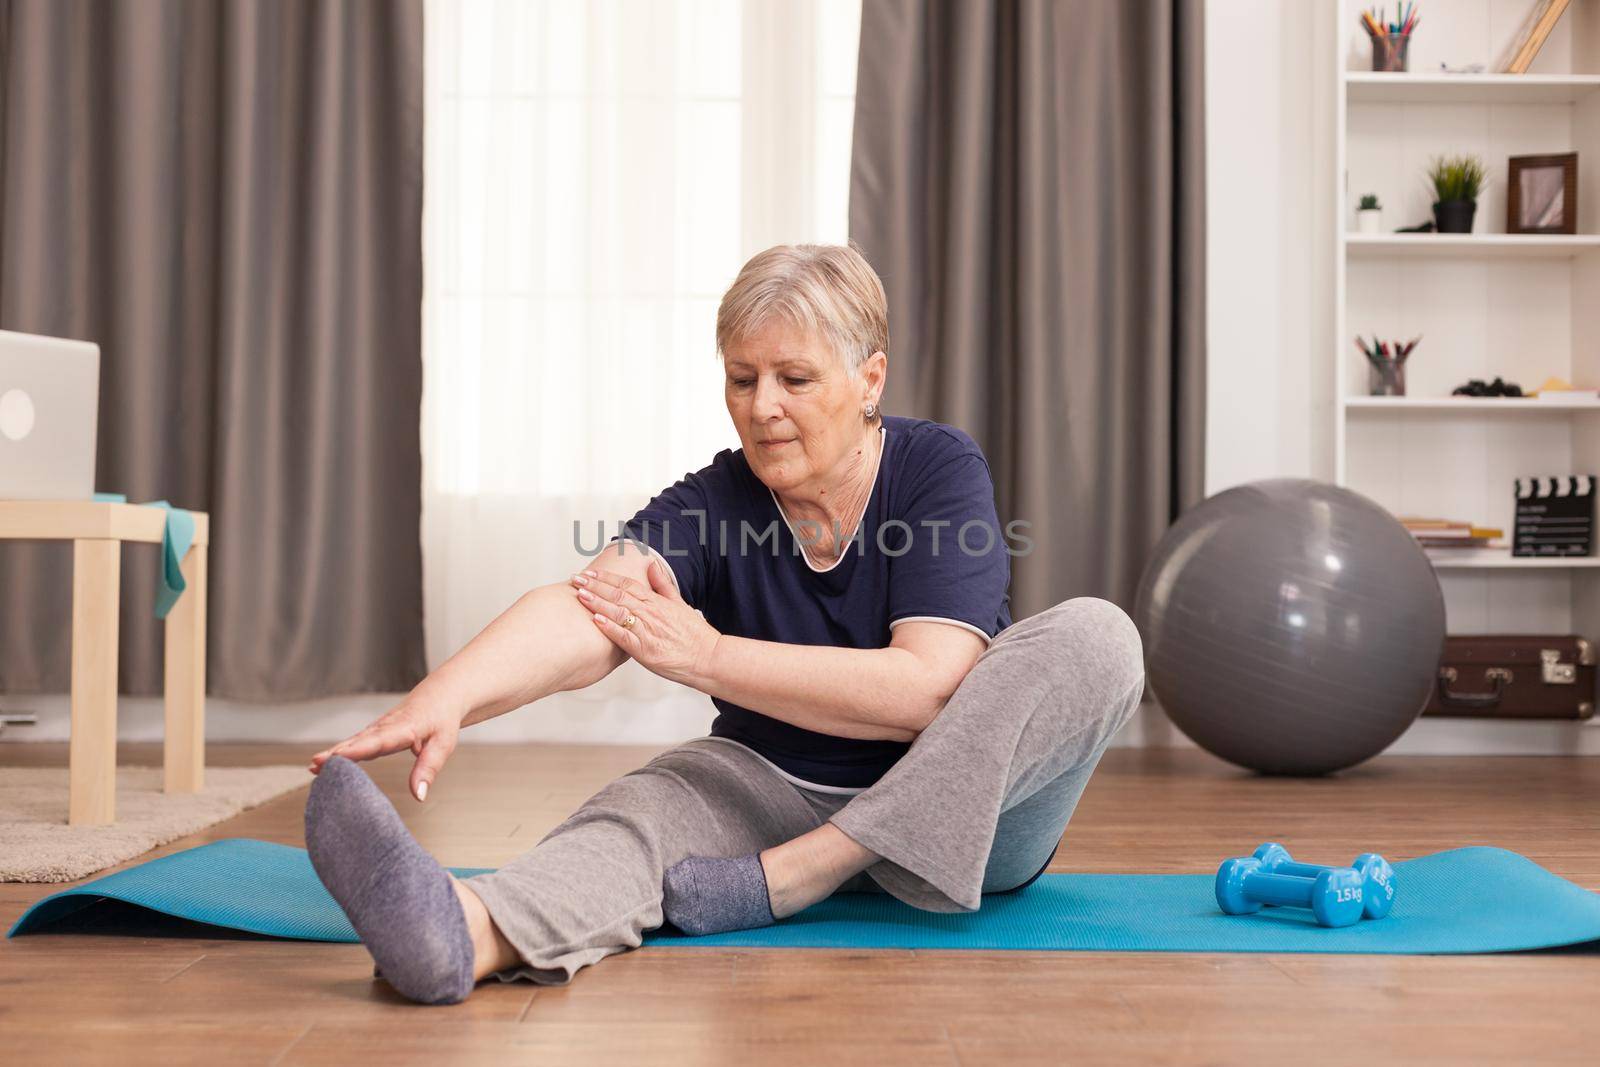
929 547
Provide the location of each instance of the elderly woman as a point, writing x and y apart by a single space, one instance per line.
837 587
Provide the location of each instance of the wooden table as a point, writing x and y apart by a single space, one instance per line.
97 532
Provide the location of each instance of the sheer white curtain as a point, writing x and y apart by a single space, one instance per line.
596 172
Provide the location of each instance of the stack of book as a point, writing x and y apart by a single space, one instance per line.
1452 534
1561 389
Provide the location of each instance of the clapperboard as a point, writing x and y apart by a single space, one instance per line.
1555 516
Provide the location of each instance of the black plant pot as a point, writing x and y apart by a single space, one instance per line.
1454 216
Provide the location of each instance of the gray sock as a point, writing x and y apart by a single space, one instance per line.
709 896
398 897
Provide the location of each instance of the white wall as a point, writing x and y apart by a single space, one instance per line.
1269 152
564 717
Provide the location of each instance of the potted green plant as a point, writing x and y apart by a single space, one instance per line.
1457 181
1369 214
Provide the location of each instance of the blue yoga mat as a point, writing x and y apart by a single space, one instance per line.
1465 900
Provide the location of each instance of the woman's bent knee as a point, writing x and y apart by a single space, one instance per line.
1095 638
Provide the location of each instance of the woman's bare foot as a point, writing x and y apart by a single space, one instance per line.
810 867
491 952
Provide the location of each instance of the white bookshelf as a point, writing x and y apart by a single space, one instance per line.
1368 87
1487 304
1474 246
1484 406
1502 559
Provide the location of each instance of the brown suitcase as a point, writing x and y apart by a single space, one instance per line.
1515 676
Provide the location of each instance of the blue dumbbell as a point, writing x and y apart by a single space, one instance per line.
1377 877
1334 895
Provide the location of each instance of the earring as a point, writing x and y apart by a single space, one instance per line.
870 410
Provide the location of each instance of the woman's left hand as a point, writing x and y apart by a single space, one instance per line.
666 635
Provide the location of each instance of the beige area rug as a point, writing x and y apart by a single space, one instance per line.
37 845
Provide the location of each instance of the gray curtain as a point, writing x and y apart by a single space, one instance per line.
1028 179
226 197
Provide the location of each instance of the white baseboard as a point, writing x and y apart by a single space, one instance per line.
561 718
1150 728
682 715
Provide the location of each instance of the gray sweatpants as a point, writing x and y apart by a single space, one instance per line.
977 805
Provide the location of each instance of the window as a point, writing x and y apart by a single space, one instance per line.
595 175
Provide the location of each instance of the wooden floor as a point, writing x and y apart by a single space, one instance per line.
137 999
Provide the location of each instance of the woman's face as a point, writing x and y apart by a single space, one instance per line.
797 410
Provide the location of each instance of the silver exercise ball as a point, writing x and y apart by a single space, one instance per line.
1291 626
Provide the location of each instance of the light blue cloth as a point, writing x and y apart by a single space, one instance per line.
175 542
1467 900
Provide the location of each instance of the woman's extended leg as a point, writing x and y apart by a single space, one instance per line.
588 890
593 885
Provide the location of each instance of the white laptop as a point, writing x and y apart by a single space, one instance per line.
49 400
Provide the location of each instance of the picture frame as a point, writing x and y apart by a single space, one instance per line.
1542 194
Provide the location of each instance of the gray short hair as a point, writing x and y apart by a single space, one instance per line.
830 292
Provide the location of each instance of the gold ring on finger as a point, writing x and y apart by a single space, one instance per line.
627 623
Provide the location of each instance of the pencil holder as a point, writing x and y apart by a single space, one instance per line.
1389 379
1390 52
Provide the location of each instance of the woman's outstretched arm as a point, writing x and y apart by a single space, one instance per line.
544 643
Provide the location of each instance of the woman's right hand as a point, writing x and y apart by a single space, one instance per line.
428 728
